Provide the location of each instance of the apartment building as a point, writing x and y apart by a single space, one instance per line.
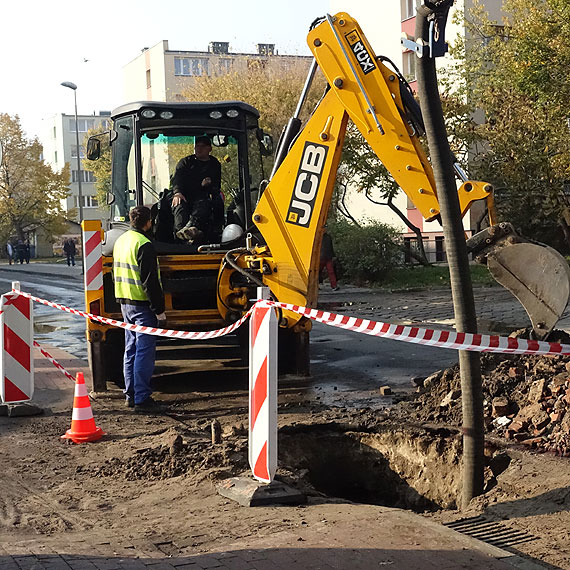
384 24
162 74
60 147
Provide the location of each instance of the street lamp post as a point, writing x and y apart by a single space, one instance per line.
79 193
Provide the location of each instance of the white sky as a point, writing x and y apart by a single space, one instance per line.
44 43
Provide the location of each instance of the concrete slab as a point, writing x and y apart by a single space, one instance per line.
250 493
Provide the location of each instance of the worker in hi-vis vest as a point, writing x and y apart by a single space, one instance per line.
139 290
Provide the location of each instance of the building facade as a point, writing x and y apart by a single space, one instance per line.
60 147
162 74
384 24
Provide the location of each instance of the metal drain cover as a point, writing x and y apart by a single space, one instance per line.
491 532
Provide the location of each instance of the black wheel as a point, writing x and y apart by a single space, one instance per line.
106 360
293 350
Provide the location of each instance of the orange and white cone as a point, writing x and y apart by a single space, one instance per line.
83 428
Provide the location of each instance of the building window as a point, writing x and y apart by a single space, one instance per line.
148 78
409 65
83 125
88 201
408 8
86 176
225 65
439 249
54 132
55 157
191 66
74 151
256 64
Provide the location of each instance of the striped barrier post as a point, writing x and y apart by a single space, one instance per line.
92 256
16 340
263 390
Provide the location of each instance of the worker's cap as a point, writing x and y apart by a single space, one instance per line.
203 140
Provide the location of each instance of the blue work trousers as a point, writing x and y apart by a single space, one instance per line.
140 350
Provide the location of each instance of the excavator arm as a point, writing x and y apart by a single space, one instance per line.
293 208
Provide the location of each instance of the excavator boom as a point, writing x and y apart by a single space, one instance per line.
293 208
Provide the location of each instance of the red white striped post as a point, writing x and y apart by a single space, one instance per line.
263 390
16 341
92 255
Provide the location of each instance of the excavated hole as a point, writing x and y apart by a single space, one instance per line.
404 467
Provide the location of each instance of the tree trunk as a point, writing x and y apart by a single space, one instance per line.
421 257
461 287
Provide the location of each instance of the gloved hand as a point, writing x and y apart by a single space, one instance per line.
161 319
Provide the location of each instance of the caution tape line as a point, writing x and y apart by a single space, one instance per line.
194 335
416 335
47 355
429 337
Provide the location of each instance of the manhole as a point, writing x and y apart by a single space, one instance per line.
405 467
491 532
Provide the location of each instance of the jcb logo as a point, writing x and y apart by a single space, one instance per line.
359 49
307 184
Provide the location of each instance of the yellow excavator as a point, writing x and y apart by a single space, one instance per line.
274 225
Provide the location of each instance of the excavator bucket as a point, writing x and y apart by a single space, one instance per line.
538 276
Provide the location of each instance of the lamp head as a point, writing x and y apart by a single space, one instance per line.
69 84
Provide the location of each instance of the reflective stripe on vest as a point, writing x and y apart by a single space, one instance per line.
126 270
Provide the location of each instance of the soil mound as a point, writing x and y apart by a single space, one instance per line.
526 399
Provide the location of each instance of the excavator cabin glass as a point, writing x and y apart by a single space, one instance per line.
149 139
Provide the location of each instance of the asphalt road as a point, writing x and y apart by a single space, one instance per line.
347 368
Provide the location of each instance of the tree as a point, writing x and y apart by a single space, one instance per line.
272 89
517 74
30 192
360 163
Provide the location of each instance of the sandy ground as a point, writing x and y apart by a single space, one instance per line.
154 478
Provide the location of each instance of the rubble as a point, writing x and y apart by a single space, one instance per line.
526 400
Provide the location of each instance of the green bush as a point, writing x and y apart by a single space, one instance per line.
367 253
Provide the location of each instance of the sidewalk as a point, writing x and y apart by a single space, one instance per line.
337 535
59 269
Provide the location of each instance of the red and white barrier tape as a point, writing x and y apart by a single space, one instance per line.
54 361
417 335
200 335
430 337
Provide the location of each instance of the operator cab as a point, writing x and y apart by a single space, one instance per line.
149 138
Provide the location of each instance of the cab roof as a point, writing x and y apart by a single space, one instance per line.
137 106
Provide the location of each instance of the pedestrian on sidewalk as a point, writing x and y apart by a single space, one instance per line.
327 259
10 252
70 251
21 249
139 290
27 250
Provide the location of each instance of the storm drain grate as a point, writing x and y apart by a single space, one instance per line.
490 532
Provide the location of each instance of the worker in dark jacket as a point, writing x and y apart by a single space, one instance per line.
139 290
196 194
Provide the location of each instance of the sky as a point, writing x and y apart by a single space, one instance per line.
43 44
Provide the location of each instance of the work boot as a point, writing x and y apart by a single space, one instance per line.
189 233
150 406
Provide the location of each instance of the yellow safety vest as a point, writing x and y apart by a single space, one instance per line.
128 284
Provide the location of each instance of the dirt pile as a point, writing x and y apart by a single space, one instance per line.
526 400
176 456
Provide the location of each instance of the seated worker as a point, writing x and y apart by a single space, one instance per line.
196 195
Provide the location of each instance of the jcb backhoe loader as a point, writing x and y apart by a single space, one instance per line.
274 228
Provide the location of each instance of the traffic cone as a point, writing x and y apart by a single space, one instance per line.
83 426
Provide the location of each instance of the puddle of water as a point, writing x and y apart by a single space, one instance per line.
43 328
